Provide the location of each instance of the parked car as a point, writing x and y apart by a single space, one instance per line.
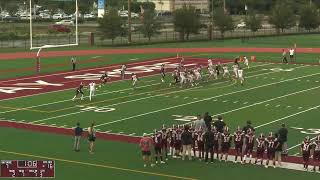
123 14
134 15
59 28
9 18
89 16
57 16
45 16
65 22
241 25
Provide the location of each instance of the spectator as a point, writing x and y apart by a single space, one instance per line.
208 120
219 124
77 137
199 123
73 62
283 138
186 139
146 143
208 138
91 137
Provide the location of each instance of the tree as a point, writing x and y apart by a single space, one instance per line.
12 7
253 22
282 16
111 25
309 17
150 24
223 21
186 21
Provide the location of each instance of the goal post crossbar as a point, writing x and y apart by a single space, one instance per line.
57 45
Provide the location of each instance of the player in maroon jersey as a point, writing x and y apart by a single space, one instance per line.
250 139
271 149
238 143
216 140
171 140
226 143
164 142
157 138
194 139
261 147
316 153
305 151
200 144
79 90
178 143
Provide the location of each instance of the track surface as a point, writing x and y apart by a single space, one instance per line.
23 55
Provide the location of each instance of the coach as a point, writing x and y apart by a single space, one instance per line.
77 137
73 62
283 138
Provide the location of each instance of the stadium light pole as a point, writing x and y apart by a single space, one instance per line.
129 21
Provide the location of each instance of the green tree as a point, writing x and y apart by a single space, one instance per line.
12 7
111 25
253 22
309 17
282 16
186 21
223 21
150 25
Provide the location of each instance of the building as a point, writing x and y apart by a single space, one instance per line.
171 5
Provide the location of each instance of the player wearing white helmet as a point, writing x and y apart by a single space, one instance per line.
92 89
226 73
240 76
246 62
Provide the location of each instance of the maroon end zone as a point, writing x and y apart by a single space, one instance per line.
33 85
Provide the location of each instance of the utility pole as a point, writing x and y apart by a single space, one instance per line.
129 21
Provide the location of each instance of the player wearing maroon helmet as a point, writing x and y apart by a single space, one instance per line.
250 138
216 140
164 142
271 149
178 143
261 147
157 138
162 72
79 90
316 153
171 140
305 151
226 143
200 144
238 143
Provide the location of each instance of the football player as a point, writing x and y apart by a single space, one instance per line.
250 138
162 73
271 149
157 138
123 71
305 151
238 143
316 153
235 69
226 143
134 79
212 72
79 90
104 78
210 64
246 62
183 78
178 143
261 147
240 76
92 89
226 73
216 140
164 142
200 144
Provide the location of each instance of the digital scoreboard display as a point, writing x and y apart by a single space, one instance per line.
27 169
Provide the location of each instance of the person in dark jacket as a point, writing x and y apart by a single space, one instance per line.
186 139
283 138
77 137
207 119
208 138
219 124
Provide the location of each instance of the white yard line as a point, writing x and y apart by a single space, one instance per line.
206 99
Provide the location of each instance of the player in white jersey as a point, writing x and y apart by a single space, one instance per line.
197 73
225 71
210 64
190 77
246 62
240 75
92 90
212 72
123 71
235 69
183 78
134 79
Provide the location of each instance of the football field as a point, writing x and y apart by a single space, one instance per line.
272 94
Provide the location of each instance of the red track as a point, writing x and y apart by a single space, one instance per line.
23 55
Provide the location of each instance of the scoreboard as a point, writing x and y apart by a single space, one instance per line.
27 169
